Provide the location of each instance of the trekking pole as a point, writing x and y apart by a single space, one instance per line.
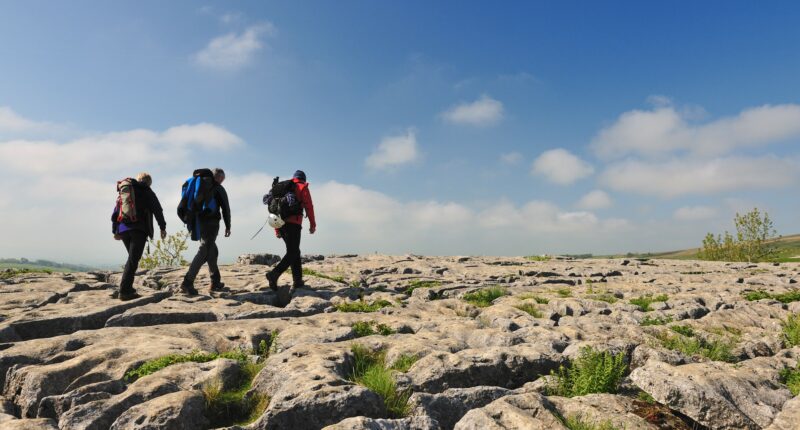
259 230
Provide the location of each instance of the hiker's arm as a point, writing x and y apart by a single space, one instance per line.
155 207
114 223
226 208
308 205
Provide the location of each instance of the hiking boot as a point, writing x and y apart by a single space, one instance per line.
217 288
114 294
284 295
188 289
129 295
273 281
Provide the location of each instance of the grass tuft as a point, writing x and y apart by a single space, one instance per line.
152 366
791 330
538 299
789 297
577 422
605 297
683 330
564 292
404 362
418 283
530 309
644 302
368 328
485 297
791 377
235 407
370 370
592 372
363 306
335 278
655 321
714 349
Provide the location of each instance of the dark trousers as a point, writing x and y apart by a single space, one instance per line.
207 253
134 241
291 237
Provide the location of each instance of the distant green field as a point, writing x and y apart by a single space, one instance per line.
788 251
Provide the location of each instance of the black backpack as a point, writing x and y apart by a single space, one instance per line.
282 199
197 196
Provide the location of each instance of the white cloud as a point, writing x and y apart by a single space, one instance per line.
483 112
394 151
680 176
233 51
596 199
113 151
665 130
694 213
511 157
11 121
561 167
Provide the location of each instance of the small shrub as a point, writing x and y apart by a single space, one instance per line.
577 422
592 372
683 330
369 369
530 310
363 306
404 362
791 377
644 302
165 252
655 321
418 283
791 330
485 297
368 328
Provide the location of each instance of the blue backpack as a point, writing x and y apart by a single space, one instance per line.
197 200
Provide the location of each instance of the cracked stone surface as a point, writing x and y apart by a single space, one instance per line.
66 344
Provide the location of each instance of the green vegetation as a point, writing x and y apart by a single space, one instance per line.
604 297
716 349
368 328
646 397
370 370
485 297
644 302
404 362
564 292
165 252
791 296
530 309
683 330
791 330
13 272
539 257
592 372
335 278
791 377
42 265
363 306
418 283
577 422
655 321
234 407
537 299
750 244
151 366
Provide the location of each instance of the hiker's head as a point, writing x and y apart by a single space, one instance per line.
219 175
144 178
301 175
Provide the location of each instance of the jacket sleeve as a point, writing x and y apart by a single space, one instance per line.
226 207
308 205
155 208
114 223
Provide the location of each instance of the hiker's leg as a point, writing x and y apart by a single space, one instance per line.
211 232
198 260
297 262
286 261
135 241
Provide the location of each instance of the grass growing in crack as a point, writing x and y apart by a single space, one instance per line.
485 297
368 328
418 283
592 372
577 422
530 310
335 278
791 377
644 302
363 306
537 299
605 297
151 366
564 292
791 330
789 297
713 349
234 406
646 397
684 330
655 321
370 370
756 295
404 362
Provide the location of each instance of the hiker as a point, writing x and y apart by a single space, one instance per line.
204 225
290 233
132 223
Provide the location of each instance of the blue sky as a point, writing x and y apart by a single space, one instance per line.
425 127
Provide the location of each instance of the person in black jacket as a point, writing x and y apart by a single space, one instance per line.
209 229
134 234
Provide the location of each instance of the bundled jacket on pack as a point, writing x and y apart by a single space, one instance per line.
136 206
202 199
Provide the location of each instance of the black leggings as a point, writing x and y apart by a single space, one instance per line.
291 236
134 241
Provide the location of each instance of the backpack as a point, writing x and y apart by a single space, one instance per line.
282 199
126 200
197 198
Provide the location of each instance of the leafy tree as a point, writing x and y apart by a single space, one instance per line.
165 252
753 230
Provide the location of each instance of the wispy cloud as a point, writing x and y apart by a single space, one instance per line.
596 199
694 213
561 167
234 50
483 112
511 158
394 151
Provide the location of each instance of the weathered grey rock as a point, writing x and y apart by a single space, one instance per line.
449 406
364 423
176 411
789 417
524 411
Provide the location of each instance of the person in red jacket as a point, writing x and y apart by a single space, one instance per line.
290 233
